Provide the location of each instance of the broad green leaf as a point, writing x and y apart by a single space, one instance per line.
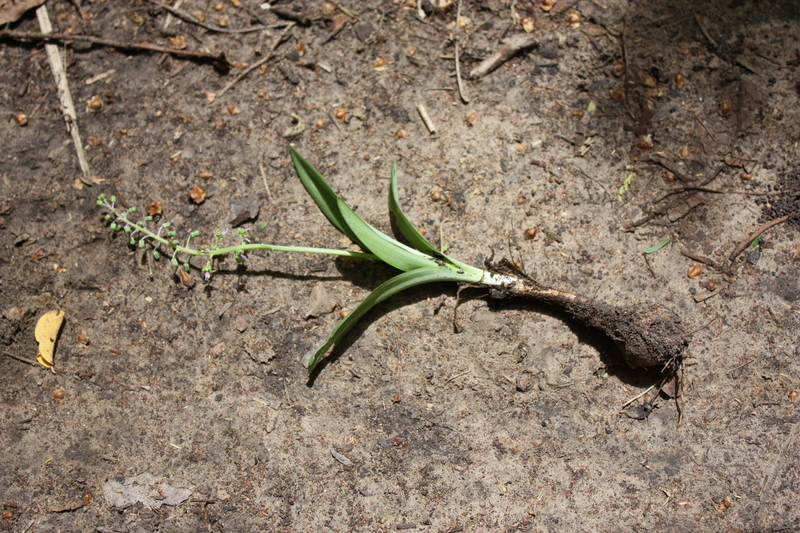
411 233
387 249
403 224
386 289
322 193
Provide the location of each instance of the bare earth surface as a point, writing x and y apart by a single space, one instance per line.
516 423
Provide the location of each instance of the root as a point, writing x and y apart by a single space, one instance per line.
647 335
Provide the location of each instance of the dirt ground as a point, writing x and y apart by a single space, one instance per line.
515 424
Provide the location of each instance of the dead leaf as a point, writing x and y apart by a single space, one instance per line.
154 209
198 194
12 10
46 334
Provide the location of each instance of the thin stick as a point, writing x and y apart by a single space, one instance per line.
704 260
21 359
513 45
745 243
648 389
218 61
188 18
260 62
703 29
459 83
168 18
423 113
708 131
626 64
264 178
456 376
67 107
34 363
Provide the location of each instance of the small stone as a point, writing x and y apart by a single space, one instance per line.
364 31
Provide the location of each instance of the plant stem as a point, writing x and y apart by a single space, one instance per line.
238 248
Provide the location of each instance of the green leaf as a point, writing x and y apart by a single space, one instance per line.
656 247
322 193
386 289
411 233
626 184
387 249
403 224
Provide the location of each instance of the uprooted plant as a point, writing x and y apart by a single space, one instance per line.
647 335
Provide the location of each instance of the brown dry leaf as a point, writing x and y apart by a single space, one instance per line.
94 104
672 387
186 279
12 10
339 21
528 24
154 209
198 194
178 42
46 333
695 270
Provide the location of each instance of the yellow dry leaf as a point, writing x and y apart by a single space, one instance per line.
46 334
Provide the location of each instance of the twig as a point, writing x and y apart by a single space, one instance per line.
456 376
705 261
21 359
625 78
665 209
287 14
704 297
33 363
188 18
423 113
745 243
67 106
258 63
650 268
703 29
672 167
264 178
218 61
459 83
512 46
168 18
344 10
708 131
648 389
